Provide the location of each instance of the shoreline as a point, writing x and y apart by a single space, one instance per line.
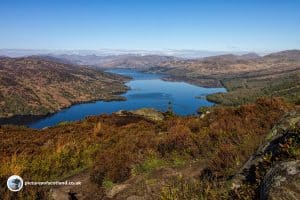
25 120
204 82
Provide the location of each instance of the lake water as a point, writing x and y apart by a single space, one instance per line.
146 91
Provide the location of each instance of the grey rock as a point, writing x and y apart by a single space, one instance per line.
270 144
147 113
282 182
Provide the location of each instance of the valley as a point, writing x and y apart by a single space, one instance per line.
246 77
149 100
146 90
185 148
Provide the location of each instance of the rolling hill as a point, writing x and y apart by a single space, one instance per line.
246 77
136 61
35 86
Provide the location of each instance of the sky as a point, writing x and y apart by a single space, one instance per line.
213 25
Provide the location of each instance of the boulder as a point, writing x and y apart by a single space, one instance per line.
116 189
271 144
282 182
148 113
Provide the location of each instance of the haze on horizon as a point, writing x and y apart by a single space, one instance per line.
214 25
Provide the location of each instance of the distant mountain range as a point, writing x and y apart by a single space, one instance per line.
218 70
45 83
182 53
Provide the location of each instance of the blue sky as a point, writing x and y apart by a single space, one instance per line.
222 25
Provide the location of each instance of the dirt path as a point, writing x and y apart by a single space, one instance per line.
87 189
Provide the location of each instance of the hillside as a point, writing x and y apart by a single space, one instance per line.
230 66
117 61
246 77
127 156
35 86
136 61
224 153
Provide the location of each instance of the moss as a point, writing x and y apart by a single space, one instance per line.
64 123
108 184
150 164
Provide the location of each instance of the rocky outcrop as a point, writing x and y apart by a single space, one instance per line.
147 113
115 190
280 176
282 182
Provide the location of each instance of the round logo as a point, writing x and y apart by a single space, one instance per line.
15 183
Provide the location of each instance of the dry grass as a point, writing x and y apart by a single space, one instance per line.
112 146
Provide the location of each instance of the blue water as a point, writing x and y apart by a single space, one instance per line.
146 91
